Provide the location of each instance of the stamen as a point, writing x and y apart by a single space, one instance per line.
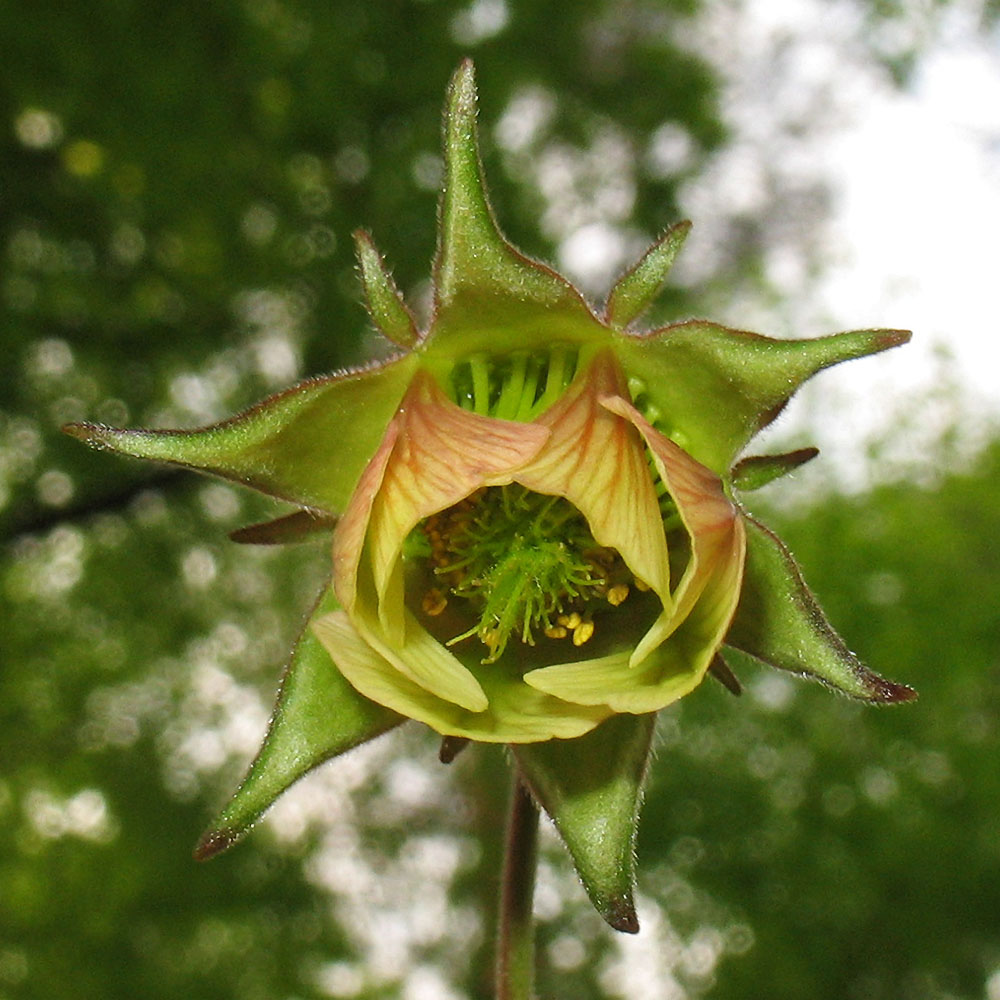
434 602
523 563
480 383
583 632
513 388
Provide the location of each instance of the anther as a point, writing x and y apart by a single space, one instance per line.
641 585
556 631
571 621
434 602
617 594
583 632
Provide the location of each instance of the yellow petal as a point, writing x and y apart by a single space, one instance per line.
711 519
516 713
442 454
433 455
596 460
670 671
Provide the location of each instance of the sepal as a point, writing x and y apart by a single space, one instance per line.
591 787
635 290
752 473
318 715
386 305
282 446
299 526
487 295
718 387
779 622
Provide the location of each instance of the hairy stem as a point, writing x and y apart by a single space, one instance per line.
515 963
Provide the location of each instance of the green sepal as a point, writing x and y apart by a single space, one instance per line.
723 673
386 305
299 526
307 445
487 295
716 387
635 290
779 622
592 788
318 715
752 473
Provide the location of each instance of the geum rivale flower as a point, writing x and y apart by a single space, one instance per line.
537 532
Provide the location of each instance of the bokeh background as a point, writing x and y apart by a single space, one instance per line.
178 183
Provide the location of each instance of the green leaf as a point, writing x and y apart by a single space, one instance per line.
299 526
635 290
779 622
308 444
752 473
592 789
318 715
386 305
716 387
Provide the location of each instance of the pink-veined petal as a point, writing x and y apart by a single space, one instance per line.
710 517
433 455
671 670
596 460
442 454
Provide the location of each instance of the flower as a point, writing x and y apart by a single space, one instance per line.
538 533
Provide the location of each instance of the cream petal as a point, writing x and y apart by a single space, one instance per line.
710 517
433 455
417 655
443 454
671 670
349 535
516 713
596 460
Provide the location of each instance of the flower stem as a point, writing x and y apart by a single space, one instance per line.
515 962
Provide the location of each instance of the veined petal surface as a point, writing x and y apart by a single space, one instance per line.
516 712
710 518
595 459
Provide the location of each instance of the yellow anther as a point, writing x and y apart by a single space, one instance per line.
641 585
556 631
434 602
583 632
571 621
617 594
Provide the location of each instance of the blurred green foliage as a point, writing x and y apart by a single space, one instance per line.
177 189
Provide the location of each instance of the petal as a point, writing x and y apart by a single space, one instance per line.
711 520
779 622
442 454
516 713
635 290
674 668
434 454
592 789
721 386
308 444
596 460
318 715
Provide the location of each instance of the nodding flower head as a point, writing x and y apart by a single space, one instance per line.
537 519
